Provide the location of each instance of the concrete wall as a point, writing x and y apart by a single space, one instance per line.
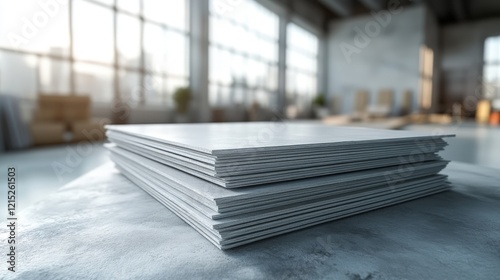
462 57
389 61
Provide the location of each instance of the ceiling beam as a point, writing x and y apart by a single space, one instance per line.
341 7
374 5
310 11
460 9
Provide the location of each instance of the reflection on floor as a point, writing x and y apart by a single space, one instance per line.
474 144
42 171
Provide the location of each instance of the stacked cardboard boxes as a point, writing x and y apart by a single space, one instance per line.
60 119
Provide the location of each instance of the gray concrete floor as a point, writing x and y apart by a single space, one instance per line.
475 144
42 171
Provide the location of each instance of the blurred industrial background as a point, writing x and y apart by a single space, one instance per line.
68 67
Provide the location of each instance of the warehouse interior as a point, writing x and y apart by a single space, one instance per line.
69 67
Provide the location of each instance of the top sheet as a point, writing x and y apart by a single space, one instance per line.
225 138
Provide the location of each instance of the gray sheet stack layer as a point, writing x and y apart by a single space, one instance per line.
238 183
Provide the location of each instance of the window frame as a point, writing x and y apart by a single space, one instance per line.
426 81
304 98
115 66
198 72
487 85
250 91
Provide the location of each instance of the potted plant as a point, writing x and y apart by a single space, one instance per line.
319 106
182 98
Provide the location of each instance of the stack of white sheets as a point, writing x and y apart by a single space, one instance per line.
238 183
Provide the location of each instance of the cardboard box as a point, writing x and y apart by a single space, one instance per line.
49 101
45 115
47 133
60 115
71 115
57 108
91 131
76 108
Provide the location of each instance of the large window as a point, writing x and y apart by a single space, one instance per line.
34 48
426 72
491 71
301 67
30 26
111 48
243 55
139 50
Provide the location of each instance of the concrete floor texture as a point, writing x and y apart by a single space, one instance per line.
41 171
102 226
